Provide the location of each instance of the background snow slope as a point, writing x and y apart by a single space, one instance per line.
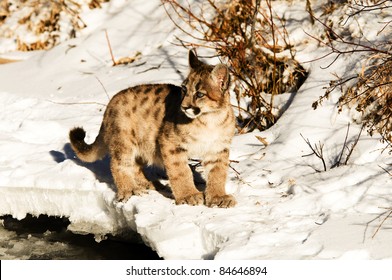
286 210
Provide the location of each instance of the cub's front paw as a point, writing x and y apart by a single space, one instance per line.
124 195
224 201
193 199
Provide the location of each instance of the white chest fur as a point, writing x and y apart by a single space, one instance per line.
208 139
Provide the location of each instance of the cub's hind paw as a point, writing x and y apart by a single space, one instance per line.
193 199
224 201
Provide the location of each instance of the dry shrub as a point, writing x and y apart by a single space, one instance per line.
369 90
255 44
42 24
372 95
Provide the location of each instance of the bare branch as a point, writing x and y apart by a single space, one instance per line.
353 145
110 47
388 172
317 151
383 221
107 95
337 163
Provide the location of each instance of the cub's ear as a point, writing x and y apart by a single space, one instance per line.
220 75
194 62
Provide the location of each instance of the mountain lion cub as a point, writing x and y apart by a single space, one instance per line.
165 125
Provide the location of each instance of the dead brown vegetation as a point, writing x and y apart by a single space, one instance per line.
43 20
254 42
368 90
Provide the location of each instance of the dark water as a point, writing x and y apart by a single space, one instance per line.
47 238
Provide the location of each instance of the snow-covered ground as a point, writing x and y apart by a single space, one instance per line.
286 210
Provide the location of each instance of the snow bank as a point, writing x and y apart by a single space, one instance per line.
286 210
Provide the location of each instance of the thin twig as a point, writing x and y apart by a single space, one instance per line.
389 173
354 145
75 103
238 174
151 68
337 164
317 151
110 48
383 221
359 47
107 95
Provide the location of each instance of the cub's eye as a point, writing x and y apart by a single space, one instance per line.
200 94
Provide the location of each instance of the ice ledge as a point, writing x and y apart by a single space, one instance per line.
89 211
174 232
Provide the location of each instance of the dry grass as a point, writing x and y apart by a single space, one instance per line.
45 22
6 60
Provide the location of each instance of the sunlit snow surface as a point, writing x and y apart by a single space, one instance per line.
286 210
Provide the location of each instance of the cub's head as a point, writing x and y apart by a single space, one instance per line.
205 89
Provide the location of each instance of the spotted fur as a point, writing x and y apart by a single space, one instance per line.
165 125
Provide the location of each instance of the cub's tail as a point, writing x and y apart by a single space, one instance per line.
87 152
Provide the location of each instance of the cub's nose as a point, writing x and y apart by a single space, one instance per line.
191 112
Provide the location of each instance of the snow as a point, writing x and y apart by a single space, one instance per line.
286 209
